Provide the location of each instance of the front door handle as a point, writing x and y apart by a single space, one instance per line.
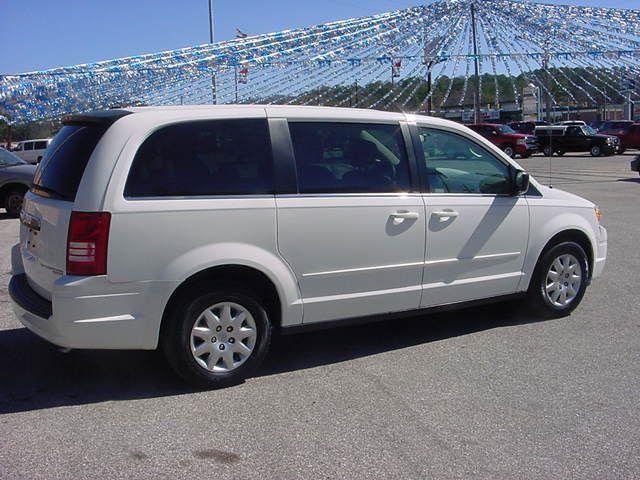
405 215
446 215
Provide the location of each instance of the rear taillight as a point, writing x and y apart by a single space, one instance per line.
87 243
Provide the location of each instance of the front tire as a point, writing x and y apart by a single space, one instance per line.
216 339
596 151
559 281
509 150
548 151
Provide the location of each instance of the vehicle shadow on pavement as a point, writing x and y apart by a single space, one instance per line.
6 216
35 375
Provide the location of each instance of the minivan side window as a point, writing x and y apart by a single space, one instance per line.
40 145
28 145
340 157
455 164
208 157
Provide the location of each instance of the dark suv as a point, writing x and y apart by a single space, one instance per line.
575 138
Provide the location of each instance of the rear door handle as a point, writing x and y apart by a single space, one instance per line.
403 214
446 215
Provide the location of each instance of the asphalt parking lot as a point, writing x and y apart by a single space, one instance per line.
490 392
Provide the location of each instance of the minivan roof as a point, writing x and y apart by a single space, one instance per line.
167 112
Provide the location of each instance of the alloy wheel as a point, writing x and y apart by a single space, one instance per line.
563 280
223 337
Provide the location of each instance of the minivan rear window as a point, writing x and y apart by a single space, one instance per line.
61 169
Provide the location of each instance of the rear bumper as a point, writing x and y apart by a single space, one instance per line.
33 311
91 312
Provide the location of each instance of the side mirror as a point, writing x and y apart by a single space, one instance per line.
520 183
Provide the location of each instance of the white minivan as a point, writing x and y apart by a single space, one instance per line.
32 151
201 230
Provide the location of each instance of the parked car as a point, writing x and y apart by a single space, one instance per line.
575 138
611 126
627 132
507 139
527 128
202 230
15 178
635 164
32 151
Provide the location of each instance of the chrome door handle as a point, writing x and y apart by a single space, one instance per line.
446 215
403 214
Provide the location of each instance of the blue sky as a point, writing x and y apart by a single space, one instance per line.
38 34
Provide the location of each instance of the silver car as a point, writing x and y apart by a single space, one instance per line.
16 176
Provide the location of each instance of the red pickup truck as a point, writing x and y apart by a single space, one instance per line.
507 139
627 131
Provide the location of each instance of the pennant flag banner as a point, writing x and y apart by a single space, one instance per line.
581 51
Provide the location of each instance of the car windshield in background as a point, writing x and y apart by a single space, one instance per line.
506 129
59 173
8 159
589 130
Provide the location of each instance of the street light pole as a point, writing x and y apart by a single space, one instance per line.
213 72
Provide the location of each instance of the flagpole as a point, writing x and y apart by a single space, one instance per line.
213 72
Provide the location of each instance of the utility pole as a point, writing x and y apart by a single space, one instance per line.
352 102
476 86
429 86
235 80
213 72
547 78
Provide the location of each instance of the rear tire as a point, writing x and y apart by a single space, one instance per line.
559 280
13 201
548 152
216 349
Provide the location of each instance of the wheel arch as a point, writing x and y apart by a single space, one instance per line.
571 225
264 272
572 234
